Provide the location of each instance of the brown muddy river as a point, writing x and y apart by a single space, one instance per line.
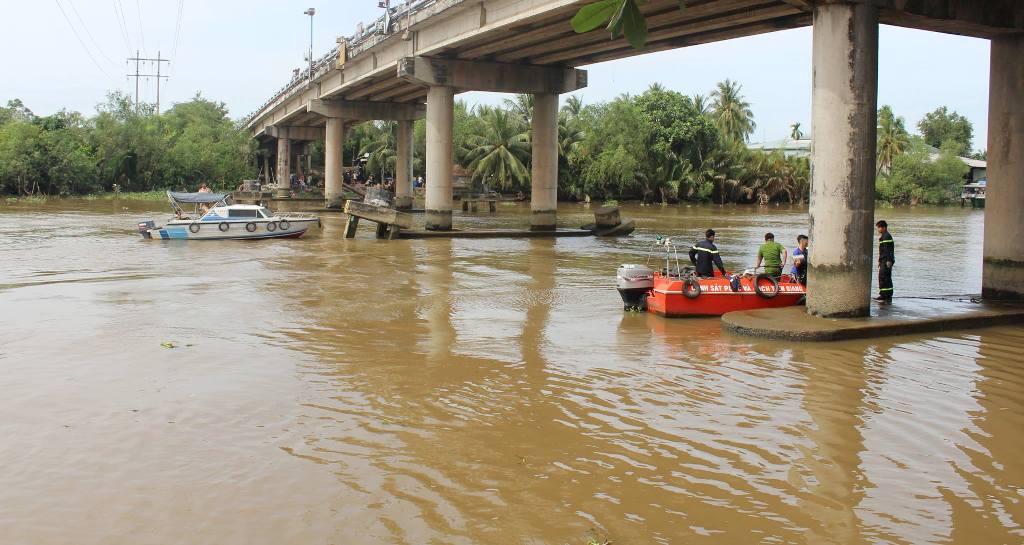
330 391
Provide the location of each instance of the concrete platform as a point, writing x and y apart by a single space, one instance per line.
496 233
904 316
342 210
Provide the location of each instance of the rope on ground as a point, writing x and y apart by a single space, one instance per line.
959 297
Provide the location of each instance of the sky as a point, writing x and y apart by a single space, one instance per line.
71 53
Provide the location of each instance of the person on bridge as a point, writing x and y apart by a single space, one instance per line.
705 257
800 260
773 254
886 259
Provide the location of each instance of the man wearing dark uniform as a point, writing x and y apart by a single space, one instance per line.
704 256
886 259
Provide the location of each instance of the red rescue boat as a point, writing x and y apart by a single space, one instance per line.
675 291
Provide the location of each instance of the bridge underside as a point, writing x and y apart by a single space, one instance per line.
546 38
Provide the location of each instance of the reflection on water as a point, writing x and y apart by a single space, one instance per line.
449 391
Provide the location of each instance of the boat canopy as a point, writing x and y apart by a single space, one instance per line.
197 198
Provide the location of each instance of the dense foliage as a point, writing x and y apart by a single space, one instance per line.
911 170
67 153
944 128
659 146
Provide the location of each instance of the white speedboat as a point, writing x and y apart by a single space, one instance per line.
213 217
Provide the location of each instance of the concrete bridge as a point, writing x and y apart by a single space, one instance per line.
431 50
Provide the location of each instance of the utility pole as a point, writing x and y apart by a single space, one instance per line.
159 62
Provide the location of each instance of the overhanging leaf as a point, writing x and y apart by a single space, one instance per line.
615 24
594 15
634 25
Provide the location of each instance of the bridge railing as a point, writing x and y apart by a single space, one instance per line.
365 37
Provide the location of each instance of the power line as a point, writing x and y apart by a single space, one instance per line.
82 42
89 34
177 33
119 14
142 35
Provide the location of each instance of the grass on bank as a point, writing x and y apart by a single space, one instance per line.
155 196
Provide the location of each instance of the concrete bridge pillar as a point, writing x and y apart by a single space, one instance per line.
403 166
284 167
544 192
334 143
844 116
1003 269
440 119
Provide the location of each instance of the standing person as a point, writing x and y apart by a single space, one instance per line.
800 260
705 257
203 188
886 259
773 254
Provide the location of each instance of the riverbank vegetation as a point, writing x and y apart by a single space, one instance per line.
660 146
69 154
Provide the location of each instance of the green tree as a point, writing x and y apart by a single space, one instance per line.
522 107
615 148
731 112
570 141
380 148
893 138
942 126
16 111
676 125
572 108
22 157
919 176
700 104
500 152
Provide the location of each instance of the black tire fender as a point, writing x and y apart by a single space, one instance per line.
761 292
284 225
251 227
691 287
271 227
193 227
224 226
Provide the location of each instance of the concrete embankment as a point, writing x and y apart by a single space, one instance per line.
905 316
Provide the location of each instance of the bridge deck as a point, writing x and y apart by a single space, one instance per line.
538 32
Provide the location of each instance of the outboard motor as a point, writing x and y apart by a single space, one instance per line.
633 283
145 226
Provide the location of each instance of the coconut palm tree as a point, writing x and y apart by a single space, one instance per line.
893 139
700 104
381 146
731 113
521 106
500 152
570 138
795 132
573 108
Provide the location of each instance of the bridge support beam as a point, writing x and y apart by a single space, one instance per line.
284 167
1003 269
544 188
403 166
491 76
844 103
440 120
366 110
334 143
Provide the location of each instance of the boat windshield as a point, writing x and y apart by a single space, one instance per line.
266 213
